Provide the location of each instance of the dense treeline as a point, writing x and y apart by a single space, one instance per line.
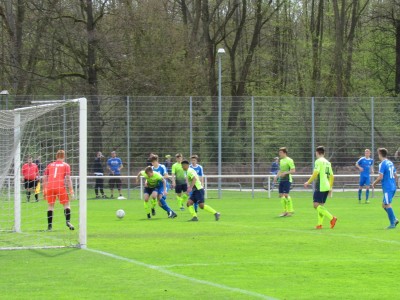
168 47
321 48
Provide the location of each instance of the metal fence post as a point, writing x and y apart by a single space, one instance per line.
128 142
313 131
252 146
372 133
190 126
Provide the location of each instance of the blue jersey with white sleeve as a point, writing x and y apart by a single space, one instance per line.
114 163
365 164
160 169
198 169
387 169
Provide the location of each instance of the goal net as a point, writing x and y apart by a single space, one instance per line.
37 133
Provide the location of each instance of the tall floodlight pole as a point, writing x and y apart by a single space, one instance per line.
221 51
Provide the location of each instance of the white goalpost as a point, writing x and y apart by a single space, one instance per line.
37 132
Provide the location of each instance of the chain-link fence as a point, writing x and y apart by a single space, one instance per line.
253 128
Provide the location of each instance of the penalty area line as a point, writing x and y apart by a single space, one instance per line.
192 279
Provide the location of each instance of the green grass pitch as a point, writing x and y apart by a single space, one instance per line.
250 253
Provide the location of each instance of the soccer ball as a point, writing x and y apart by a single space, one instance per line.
120 213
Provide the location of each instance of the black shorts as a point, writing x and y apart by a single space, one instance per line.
148 190
30 184
197 196
284 187
115 182
320 197
179 188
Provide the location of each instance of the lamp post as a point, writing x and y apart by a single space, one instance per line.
5 92
220 52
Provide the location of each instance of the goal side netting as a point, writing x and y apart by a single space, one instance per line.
36 133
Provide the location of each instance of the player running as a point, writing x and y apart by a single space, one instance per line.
323 187
179 181
199 170
153 189
160 168
366 166
388 176
197 193
286 169
56 175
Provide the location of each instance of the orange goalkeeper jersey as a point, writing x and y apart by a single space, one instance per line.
56 172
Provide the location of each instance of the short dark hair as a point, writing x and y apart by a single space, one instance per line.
154 157
148 169
185 162
320 149
383 152
194 156
178 155
283 149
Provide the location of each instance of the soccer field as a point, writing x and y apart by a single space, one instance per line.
250 253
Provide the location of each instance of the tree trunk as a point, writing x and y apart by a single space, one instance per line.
397 79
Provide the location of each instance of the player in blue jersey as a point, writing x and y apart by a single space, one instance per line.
366 167
199 170
161 197
388 176
114 165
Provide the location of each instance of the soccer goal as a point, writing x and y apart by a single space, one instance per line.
36 133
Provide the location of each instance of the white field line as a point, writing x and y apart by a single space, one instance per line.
324 232
192 279
275 262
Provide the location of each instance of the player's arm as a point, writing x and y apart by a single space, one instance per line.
192 183
312 178
69 183
109 166
377 180
201 176
397 153
277 176
121 166
358 166
138 176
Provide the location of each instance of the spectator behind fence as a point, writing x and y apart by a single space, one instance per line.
168 163
99 172
114 165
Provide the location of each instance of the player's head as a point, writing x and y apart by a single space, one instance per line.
113 154
60 155
367 153
276 159
194 159
382 153
29 159
99 154
282 152
149 171
168 157
178 157
185 165
320 151
154 159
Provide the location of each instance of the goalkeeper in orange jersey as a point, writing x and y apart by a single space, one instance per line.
56 180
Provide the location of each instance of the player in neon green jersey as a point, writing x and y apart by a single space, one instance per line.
286 169
179 182
197 193
155 184
323 175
